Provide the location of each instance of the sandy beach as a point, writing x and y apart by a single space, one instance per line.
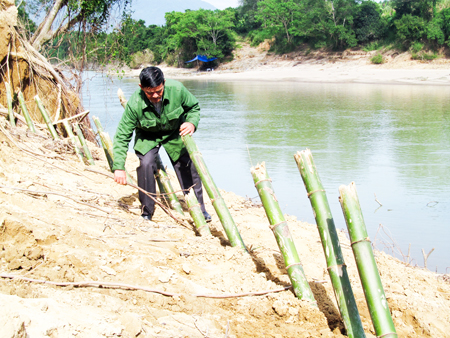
256 65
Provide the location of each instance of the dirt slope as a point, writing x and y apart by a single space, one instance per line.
97 235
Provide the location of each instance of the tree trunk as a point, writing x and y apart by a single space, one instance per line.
43 30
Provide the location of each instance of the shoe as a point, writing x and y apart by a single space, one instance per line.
147 217
207 216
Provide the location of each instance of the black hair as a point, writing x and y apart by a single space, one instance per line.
151 77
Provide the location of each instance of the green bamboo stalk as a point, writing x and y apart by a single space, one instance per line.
196 213
106 142
330 243
86 150
73 139
282 234
365 261
25 113
165 187
213 192
47 120
12 120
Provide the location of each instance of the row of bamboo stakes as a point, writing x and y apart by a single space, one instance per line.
337 269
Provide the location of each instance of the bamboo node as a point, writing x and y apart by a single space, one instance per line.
387 334
265 179
367 239
272 227
337 265
313 192
193 206
289 266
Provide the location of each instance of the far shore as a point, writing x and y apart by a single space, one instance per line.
350 71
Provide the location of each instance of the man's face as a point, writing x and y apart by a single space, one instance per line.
153 94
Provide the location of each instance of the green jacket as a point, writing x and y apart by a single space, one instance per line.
178 106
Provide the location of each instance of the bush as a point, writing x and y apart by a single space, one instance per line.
377 59
424 56
374 45
140 58
416 47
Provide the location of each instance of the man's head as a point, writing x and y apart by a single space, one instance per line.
152 83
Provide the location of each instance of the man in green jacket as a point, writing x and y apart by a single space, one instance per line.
160 112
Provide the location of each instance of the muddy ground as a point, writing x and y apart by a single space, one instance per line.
61 223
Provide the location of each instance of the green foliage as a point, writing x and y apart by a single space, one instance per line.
377 59
288 24
416 47
203 32
367 23
423 56
374 45
410 28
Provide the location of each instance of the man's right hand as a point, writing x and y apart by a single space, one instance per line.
120 177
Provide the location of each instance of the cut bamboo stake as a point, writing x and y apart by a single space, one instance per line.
9 101
330 244
86 150
47 120
213 192
106 142
165 187
282 234
73 139
365 261
25 113
196 213
108 147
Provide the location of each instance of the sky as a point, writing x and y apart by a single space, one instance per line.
222 4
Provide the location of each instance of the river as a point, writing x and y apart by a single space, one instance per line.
393 141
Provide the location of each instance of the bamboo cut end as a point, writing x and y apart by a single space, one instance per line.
349 190
259 169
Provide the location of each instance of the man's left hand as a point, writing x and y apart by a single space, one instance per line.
187 128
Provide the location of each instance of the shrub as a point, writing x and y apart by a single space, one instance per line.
416 47
140 58
377 59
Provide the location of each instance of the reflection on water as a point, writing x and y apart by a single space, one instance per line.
392 140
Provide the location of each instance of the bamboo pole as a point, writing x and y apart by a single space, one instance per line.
9 101
282 234
73 139
330 244
196 213
25 113
213 192
86 150
165 187
106 142
47 120
365 261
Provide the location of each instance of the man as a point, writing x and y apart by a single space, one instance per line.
160 112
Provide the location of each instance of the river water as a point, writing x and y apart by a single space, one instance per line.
393 141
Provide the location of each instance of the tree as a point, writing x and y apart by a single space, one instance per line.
367 22
279 16
199 32
61 16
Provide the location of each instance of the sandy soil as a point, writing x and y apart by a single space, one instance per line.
61 223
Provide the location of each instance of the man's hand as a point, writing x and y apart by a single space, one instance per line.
187 128
120 177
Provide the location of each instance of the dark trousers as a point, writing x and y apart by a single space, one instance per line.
184 168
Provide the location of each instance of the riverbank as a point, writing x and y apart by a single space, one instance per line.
62 223
257 64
